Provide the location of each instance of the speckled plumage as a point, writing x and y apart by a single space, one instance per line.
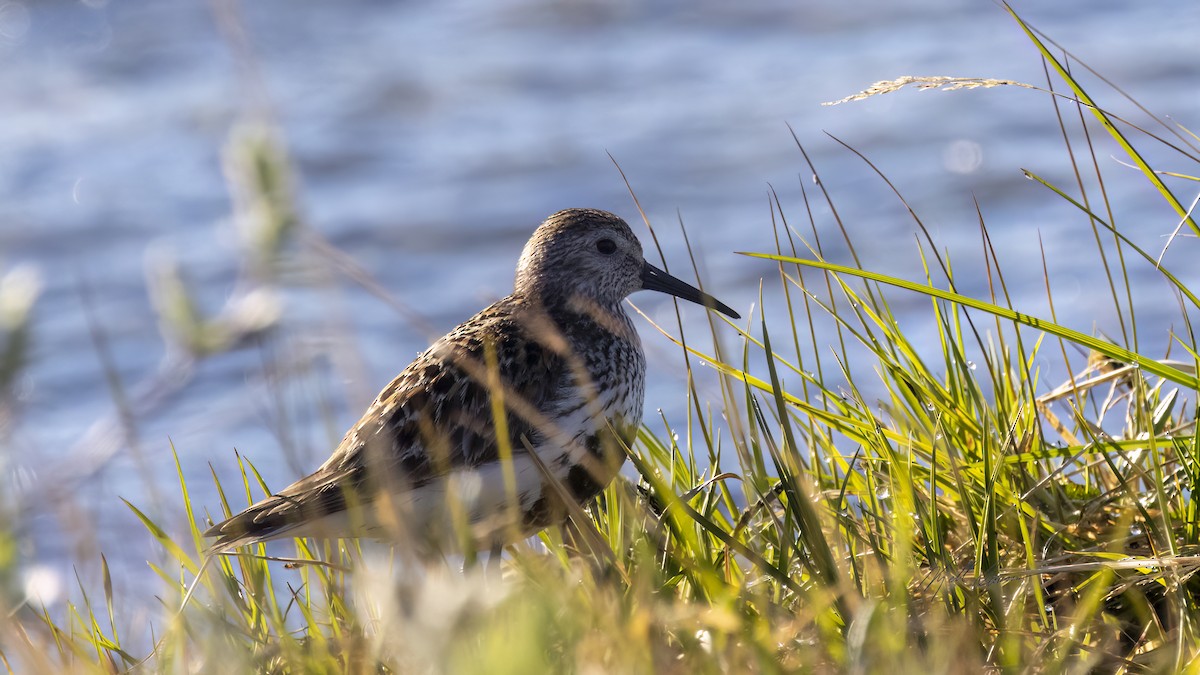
424 461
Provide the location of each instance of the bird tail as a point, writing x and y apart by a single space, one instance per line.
268 519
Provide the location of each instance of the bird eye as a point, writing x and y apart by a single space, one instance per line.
606 246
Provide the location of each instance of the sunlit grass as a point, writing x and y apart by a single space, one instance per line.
944 513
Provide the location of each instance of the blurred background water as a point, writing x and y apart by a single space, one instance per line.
429 140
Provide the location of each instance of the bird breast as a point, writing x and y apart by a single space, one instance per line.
606 379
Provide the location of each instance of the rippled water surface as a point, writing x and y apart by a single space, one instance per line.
431 138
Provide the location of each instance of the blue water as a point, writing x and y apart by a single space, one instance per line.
431 138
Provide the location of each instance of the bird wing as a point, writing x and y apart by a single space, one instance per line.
434 417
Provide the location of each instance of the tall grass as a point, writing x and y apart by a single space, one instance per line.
962 516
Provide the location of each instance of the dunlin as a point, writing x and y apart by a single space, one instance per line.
442 456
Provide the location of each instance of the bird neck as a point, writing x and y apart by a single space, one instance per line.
576 314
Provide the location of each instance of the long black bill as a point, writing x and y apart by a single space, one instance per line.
654 279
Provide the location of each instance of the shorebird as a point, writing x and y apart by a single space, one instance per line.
545 385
